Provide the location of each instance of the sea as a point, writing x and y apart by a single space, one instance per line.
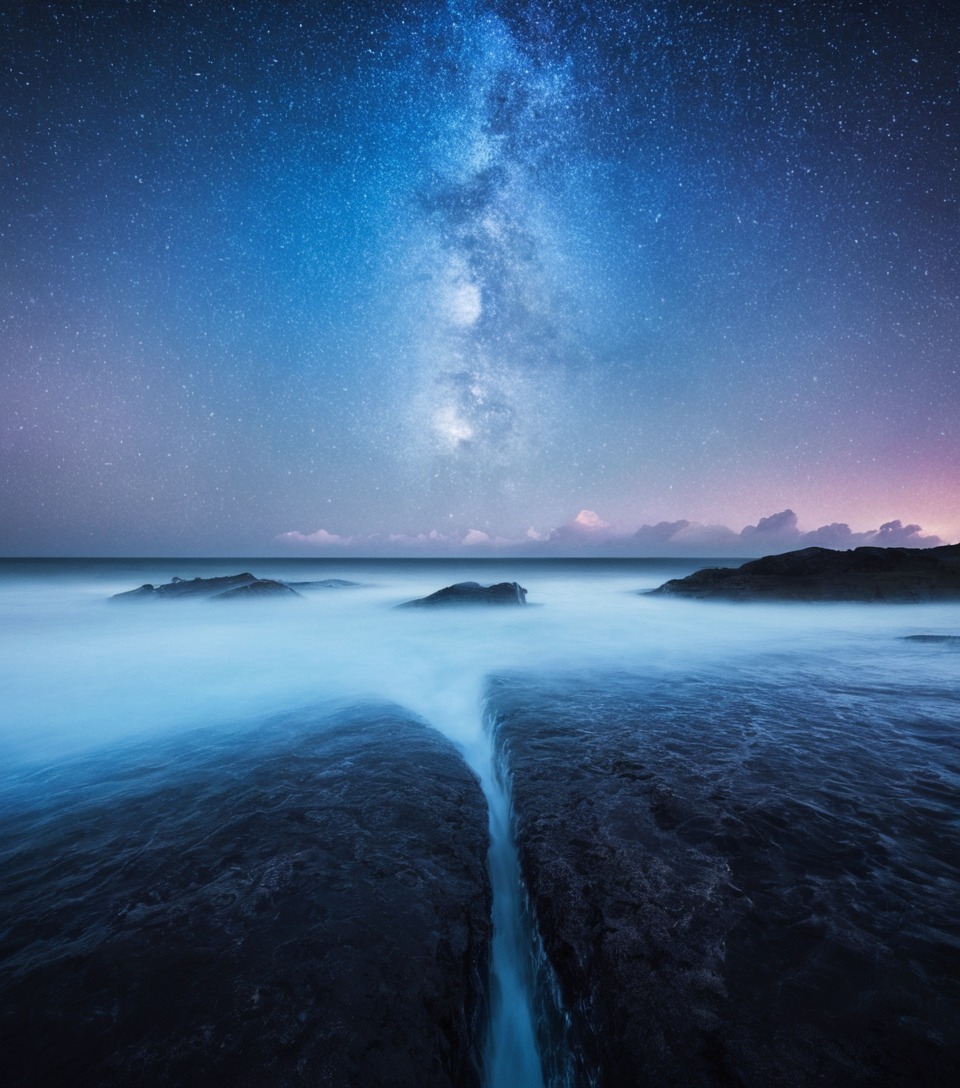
88 684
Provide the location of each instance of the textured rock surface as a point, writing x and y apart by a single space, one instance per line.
821 574
473 593
729 884
309 906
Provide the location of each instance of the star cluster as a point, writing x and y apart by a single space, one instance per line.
336 270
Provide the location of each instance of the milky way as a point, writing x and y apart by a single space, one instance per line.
472 268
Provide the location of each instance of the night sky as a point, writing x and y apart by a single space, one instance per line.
299 281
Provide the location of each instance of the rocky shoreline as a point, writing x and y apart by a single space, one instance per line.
821 574
310 911
714 916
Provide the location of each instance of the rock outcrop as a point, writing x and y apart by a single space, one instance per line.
722 872
472 593
325 583
821 574
311 909
260 587
229 586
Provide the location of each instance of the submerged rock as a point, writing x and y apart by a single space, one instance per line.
311 909
232 585
473 593
822 574
722 874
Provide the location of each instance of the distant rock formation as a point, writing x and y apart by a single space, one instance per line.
473 593
324 583
261 587
822 574
229 587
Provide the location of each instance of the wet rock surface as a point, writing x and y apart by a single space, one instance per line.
821 574
472 593
739 882
304 905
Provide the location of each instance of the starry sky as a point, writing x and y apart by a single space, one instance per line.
386 276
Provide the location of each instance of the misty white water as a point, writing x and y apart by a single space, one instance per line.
80 677
77 673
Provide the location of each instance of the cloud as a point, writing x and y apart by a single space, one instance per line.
661 532
835 535
587 526
894 534
779 525
778 532
589 534
685 538
476 536
587 519
321 537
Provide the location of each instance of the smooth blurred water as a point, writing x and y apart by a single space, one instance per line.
78 673
81 677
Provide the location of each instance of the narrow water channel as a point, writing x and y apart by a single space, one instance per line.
511 1055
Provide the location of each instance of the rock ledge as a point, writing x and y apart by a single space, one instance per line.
822 574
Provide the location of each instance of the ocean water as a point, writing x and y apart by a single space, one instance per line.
84 683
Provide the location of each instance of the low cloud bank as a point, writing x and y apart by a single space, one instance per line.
776 533
589 534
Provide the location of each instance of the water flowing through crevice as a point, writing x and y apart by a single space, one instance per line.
101 685
525 1040
527 1033
511 1053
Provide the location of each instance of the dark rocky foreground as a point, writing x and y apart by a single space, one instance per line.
308 906
739 882
821 574
472 593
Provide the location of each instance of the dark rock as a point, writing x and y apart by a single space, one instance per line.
473 593
145 591
202 587
307 908
262 587
822 574
199 588
325 583
722 872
